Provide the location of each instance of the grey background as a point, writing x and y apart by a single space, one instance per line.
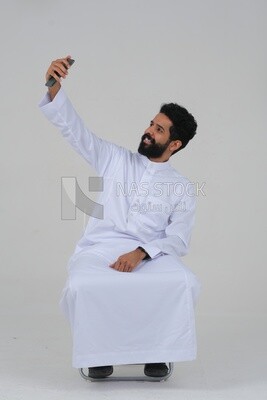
131 56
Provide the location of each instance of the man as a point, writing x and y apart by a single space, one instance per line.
128 297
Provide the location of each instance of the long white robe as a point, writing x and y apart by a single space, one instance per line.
146 315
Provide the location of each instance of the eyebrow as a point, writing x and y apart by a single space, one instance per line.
158 125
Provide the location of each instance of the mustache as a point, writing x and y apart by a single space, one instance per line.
147 136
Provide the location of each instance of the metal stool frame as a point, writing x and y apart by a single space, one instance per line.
128 378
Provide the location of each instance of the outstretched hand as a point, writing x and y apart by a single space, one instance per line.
58 69
127 262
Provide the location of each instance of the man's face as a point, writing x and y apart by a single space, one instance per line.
156 138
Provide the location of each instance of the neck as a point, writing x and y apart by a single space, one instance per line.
165 156
159 160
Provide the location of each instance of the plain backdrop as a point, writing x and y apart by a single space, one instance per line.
131 56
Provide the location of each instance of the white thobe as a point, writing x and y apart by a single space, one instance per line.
147 315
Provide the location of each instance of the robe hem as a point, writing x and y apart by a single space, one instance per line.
136 358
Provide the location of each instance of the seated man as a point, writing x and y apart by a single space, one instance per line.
128 297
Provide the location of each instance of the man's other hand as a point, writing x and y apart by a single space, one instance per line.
127 262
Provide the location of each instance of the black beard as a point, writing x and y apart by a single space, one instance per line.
153 150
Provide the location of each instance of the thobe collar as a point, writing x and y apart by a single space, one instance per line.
157 166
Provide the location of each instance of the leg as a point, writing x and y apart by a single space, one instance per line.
119 318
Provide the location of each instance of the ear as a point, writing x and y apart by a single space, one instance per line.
175 145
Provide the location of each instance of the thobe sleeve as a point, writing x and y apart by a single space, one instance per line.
96 151
178 232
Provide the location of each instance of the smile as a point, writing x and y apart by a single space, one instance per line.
147 140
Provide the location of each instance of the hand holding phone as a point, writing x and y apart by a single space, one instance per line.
59 68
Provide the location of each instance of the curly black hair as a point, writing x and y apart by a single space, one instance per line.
184 124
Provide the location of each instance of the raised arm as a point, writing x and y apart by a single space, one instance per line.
58 109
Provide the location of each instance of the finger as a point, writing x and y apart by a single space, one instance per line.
66 61
117 266
113 266
56 74
122 266
57 67
60 67
127 267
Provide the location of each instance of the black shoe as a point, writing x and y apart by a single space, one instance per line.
100 372
156 370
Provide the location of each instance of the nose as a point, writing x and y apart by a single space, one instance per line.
150 131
